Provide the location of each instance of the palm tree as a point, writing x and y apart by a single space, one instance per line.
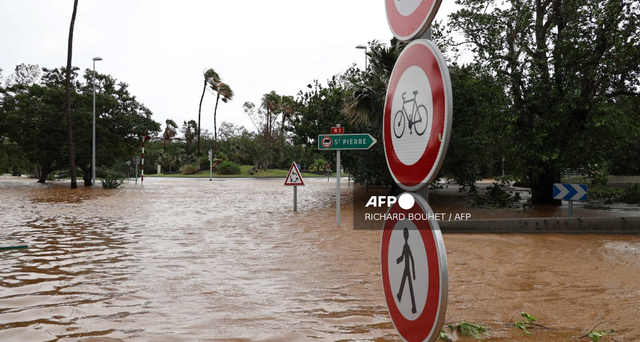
359 100
225 94
271 103
210 76
189 130
169 132
67 87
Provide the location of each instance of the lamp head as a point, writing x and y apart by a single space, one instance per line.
97 58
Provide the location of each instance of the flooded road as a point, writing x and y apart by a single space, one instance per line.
228 260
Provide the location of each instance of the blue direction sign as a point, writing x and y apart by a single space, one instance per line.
355 141
570 192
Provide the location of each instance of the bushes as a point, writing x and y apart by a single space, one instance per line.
630 194
111 180
229 168
189 170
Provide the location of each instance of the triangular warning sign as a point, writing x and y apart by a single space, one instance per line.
294 177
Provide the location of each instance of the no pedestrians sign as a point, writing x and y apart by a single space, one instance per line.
414 270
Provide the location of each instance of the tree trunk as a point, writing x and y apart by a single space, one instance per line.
44 173
72 155
215 130
542 187
87 175
204 87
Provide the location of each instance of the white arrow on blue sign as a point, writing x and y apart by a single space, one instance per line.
570 192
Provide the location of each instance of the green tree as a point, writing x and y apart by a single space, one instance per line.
564 65
224 93
170 131
189 130
72 158
36 114
210 76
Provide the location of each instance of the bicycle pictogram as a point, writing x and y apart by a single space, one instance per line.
417 120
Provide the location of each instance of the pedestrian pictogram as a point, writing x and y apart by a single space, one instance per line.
414 271
407 257
417 115
294 177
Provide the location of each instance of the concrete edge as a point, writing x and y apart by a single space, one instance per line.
578 225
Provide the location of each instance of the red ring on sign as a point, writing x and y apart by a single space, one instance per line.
329 144
408 27
419 329
419 55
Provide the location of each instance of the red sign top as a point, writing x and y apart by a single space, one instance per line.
409 19
294 177
337 130
417 116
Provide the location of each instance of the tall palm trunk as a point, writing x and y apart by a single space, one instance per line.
215 129
67 86
204 87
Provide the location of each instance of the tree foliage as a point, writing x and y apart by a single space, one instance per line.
564 65
34 119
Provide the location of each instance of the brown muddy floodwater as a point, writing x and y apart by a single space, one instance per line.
193 260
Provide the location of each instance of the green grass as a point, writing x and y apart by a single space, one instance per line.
271 173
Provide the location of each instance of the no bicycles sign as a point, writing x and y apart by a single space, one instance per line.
417 115
414 272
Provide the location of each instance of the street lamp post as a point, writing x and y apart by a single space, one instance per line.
93 149
365 54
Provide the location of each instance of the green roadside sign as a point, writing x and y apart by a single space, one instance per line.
352 141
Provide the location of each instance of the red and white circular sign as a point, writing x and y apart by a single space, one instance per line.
327 142
409 19
414 271
418 112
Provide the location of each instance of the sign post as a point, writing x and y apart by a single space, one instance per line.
339 141
414 269
570 192
294 178
418 113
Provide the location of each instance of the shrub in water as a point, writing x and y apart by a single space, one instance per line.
112 180
229 168
189 170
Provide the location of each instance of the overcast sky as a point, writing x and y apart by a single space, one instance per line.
160 48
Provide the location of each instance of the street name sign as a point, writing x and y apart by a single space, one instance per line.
570 192
418 113
294 178
409 19
351 141
414 269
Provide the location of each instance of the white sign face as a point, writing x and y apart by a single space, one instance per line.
407 7
413 114
410 287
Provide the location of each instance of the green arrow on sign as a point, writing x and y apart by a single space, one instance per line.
354 141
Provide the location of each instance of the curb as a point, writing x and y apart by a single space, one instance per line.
577 225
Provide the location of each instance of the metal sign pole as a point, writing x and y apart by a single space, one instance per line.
295 198
338 191
570 208
136 171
